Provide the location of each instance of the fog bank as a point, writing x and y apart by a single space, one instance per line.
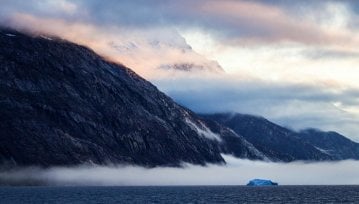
236 172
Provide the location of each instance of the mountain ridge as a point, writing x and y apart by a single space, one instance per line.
283 144
62 104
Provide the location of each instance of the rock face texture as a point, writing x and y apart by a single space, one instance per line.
281 144
331 143
233 143
61 104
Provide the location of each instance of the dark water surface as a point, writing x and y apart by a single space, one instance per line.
181 194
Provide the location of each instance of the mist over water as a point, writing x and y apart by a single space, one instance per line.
236 172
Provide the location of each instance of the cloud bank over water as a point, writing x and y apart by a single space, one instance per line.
236 172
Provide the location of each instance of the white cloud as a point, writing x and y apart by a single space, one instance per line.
236 172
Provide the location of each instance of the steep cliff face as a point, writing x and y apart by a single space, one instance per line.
61 104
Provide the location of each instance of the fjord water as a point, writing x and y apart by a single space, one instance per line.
181 194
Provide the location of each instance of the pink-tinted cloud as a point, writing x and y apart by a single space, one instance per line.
254 22
149 54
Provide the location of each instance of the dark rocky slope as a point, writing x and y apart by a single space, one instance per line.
332 143
61 104
281 144
233 143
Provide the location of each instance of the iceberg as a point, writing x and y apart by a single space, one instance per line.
261 182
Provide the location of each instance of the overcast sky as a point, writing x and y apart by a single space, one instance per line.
295 63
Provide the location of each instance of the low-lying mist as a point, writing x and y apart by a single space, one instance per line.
236 172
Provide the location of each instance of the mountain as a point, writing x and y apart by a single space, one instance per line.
281 144
62 104
233 143
332 143
188 67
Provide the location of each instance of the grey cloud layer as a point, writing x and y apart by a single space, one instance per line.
222 90
227 20
292 105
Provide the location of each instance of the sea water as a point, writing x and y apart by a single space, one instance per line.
181 194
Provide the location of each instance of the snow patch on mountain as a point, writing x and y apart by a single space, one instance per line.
203 130
10 35
325 151
251 147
